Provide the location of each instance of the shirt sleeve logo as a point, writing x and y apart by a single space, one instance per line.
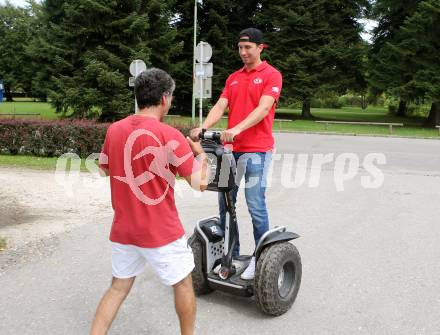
258 81
275 89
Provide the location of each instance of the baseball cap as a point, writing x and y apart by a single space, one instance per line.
251 35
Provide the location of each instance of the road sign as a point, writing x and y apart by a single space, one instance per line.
203 52
207 88
137 66
204 70
203 73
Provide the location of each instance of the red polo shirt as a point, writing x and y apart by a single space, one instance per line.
143 157
243 89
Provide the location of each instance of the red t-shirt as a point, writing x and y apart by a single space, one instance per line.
144 156
243 89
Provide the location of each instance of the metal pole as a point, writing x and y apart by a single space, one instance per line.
193 107
135 101
201 85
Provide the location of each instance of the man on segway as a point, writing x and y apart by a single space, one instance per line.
251 94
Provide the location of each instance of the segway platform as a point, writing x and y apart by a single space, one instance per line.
278 264
234 284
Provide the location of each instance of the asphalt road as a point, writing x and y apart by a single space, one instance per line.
370 254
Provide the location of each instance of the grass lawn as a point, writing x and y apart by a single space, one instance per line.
412 125
371 114
21 106
412 128
32 162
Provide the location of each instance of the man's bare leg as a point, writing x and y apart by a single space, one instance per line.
109 305
185 303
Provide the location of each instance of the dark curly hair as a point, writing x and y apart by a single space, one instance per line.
151 85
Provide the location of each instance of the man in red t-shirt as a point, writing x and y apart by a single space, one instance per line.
142 156
250 94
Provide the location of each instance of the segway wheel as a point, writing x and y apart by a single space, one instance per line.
277 278
200 282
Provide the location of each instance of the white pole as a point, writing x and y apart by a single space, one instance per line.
193 106
201 84
136 109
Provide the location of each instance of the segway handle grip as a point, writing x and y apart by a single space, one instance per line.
210 135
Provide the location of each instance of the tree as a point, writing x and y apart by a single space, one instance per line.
384 67
88 46
418 50
316 45
408 62
15 31
219 23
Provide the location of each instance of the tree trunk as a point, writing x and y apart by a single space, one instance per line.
364 101
305 113
434 115
402 108
8 94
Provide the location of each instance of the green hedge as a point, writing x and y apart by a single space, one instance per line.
54 138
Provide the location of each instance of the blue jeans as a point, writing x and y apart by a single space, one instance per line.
254 166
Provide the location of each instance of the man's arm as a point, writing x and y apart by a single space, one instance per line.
103 162
258 114
199 179
215 113
104 172
213 117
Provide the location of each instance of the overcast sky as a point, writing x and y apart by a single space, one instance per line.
15 2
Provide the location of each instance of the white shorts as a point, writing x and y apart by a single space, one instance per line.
171 262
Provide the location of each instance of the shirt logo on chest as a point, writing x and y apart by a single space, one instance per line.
258 81
162 157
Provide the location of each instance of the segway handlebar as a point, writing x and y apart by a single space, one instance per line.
210 135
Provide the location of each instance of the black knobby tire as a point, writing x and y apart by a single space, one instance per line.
200 282
274 297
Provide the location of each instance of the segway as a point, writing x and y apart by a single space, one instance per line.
278 263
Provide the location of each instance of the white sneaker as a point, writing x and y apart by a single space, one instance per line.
217 269
249 273
235 263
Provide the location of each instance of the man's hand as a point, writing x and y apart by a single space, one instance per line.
195 146
199 179
194 134
229 134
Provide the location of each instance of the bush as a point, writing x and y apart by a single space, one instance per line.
418 110
289 102
54 138
392 109
327 102
391 103
353 100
